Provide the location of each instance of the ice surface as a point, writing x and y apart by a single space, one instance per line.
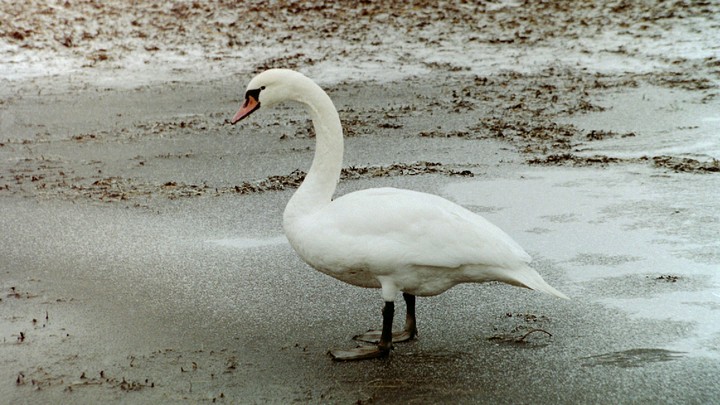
247 243
589 222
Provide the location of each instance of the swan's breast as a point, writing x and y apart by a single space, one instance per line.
330 254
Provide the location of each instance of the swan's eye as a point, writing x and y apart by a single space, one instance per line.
262 88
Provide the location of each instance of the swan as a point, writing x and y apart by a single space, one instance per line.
392 239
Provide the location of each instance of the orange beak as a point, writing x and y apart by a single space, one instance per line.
250 105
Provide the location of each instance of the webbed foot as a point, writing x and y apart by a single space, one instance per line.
384 338
373 336
360 353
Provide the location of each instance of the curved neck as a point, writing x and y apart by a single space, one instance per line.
319 185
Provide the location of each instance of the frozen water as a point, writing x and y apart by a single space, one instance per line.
248 243
662 122
588 223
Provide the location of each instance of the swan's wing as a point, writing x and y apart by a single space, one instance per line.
393 227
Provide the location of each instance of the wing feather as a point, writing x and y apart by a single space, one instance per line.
393 227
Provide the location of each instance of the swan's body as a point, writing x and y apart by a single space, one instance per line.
393 239
424 243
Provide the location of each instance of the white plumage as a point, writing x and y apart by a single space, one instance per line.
394 239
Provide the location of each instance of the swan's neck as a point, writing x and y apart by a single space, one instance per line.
317 189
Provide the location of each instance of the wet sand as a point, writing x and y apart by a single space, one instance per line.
142 257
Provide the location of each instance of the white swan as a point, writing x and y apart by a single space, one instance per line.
396 240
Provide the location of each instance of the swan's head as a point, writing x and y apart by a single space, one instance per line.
269 88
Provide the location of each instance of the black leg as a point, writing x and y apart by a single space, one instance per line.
383 347
386 338
410 322
409 333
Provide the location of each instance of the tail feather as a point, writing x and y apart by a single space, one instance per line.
529 278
